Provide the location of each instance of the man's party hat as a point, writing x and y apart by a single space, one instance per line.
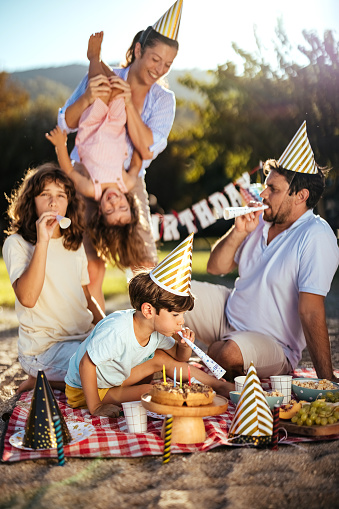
39 430
168 24
174 272
298 156
253 421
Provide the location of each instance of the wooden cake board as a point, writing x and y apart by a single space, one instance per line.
188 426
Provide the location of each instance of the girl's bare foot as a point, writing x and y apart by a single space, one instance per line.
26 385
94 46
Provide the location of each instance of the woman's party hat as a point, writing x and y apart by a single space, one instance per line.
174 272
298 155
253 421
39 430
168 24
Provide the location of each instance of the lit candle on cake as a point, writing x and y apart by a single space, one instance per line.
175 378
189 375
180 377
164 374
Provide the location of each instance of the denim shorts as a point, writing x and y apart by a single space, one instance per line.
54 362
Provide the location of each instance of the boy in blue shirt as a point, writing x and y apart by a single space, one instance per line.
126 347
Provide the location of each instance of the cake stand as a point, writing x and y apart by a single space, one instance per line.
188 426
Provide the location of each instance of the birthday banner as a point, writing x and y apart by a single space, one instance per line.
206 212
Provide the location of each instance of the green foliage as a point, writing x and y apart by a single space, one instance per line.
237 120
250 117
23 125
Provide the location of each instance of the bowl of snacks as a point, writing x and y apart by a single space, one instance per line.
311 389
272 398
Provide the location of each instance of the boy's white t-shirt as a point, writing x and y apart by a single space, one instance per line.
114 349
60 313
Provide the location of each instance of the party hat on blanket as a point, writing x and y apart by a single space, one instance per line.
174 272
39 430
253 421
168 24
298 156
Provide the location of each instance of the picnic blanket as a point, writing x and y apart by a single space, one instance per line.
107 437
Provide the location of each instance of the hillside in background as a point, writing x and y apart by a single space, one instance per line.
59 82
66 78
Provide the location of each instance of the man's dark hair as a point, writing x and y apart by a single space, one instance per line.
314 183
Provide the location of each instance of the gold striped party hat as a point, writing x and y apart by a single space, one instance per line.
252 416
174 272
298 156
168 24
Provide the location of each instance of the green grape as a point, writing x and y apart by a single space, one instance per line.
315 403
323 421
300 422
303 417
313 417
302 411
309 422
318 420
331 420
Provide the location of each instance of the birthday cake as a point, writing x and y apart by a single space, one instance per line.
189 395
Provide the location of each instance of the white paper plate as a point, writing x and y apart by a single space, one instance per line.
78 430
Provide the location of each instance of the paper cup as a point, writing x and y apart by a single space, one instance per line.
283 384
239 383
136 416
64 222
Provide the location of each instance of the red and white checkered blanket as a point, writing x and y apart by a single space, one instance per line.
110 437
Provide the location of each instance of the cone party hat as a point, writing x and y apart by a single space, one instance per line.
174 272
298 156
168 24
253 421
39 430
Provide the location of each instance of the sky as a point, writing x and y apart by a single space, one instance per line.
37 33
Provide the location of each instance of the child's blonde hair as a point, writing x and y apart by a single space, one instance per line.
22 211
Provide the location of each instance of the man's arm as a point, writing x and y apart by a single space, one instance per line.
221 260
313 319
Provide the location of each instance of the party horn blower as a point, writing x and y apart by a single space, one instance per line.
167 439
213 366
60 443
64 222
232 212
275 431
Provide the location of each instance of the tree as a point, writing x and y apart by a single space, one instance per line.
252 116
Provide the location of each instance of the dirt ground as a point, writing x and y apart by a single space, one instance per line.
303 475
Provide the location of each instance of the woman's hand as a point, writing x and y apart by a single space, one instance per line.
122 85
97 88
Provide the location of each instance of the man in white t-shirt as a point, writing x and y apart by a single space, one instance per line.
286 261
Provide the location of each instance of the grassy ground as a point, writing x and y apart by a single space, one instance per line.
115 280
